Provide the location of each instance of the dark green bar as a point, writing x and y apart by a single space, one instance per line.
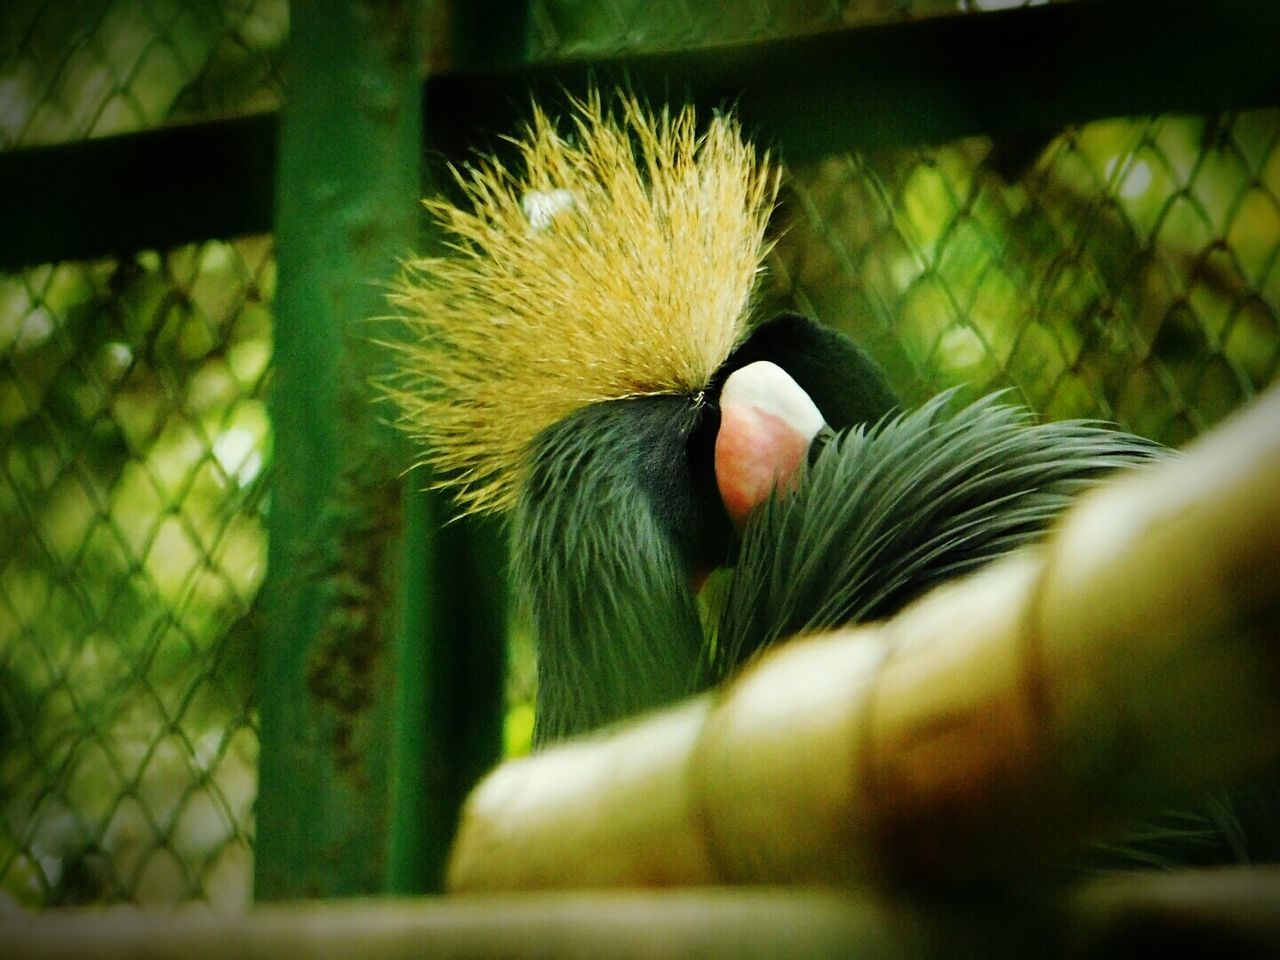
448 727
448 721
334 625
1027 70
151 190
421 825
1024 71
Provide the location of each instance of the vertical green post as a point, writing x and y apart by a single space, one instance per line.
448 728
336 612
449 712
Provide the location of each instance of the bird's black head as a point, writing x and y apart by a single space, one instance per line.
847 386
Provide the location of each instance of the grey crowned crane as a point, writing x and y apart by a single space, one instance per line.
584 360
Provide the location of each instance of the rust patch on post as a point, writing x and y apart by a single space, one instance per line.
357 584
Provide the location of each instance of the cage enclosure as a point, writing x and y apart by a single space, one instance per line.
244 655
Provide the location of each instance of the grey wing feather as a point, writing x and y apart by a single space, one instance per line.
887 511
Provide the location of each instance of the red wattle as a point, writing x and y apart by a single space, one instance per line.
756 453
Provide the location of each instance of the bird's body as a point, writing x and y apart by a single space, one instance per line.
887 510
569 365
607 529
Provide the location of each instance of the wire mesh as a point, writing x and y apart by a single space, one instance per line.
133 448
132 453
75 70
1124 269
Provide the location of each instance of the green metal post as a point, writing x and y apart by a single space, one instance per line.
449 711
448 727
336 619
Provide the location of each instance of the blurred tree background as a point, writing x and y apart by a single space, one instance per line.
1123 269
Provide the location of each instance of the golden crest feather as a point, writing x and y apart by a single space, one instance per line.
621 261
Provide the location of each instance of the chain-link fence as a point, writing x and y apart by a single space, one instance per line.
133 448
1124 268
133 442
75 70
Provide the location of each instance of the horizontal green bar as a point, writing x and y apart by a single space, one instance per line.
150 190
1027 71
1030 70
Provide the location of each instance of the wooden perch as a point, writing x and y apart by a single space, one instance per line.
1131 660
